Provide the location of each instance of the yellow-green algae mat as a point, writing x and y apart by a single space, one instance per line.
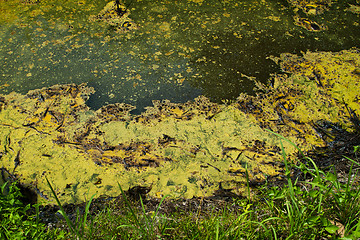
183 150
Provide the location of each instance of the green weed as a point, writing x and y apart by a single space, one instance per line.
320 206
15 220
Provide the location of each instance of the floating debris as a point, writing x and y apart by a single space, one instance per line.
308 24
354 8
311 7
116 15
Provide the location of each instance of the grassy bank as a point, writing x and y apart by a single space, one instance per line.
308 204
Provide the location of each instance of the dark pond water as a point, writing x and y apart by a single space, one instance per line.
179 50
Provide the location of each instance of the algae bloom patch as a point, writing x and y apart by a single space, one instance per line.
183 150
192 149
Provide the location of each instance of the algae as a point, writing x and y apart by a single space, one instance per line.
184 150
311 7
146 50
322 86
169 50
117 16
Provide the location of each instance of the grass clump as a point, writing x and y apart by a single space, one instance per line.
321 207
16 221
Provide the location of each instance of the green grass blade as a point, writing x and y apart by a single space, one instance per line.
148 223
132 211
62 211
87 208
293 144
317 171
247 181
352 161
157 209
274 232
217 230
37 212
349 179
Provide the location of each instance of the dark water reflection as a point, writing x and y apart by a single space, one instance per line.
181 49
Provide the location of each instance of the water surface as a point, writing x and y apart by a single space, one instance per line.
179 50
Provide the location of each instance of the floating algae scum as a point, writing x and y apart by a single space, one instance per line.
155 50
78 67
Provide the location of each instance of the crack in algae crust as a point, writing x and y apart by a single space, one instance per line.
184 150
